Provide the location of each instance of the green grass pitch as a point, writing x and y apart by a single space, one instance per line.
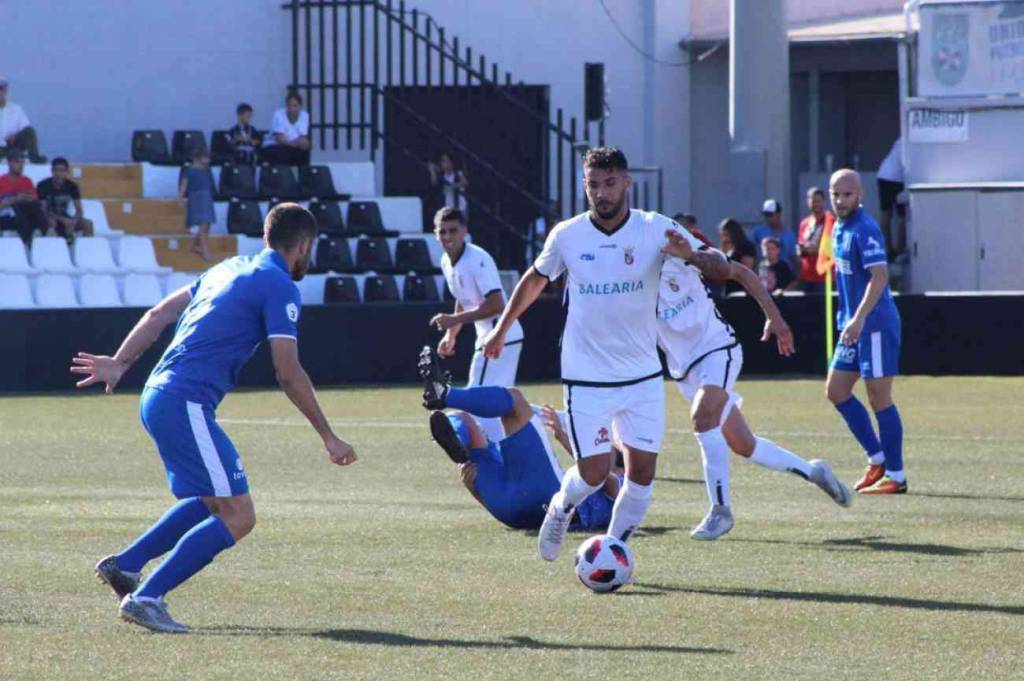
389 570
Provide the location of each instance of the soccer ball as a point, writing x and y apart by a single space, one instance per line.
603 563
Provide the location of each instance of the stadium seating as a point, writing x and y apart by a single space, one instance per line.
380 288
316 181
93 254
15 292
55 291
222 151
280 182
98 290
413 255
50 254
364 218
245 217
13 259
328 216
136 254
419 288
237 181
184 142
141 290
372 253
150 146
341 290
177 280
333 254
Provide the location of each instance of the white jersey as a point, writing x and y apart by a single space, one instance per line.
611 296
471 278
689 323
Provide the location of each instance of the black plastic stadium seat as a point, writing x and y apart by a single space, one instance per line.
279 181
238 181
328 216
333 253
221 149
150 146
341 290
244 217
316 181
184 142
380 288
372 253
364 218
413 254
419 288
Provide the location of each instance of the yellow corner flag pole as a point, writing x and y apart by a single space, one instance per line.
824 265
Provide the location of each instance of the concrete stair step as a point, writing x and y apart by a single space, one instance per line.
146 216
97 181
176 252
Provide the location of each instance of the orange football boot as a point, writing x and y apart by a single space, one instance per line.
886 486
872 475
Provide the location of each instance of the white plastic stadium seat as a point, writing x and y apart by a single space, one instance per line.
177 280
98 290
50 254
55 290
93 254
136 254
142 290
13 259
15 292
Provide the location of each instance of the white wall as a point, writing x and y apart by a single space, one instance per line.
87 73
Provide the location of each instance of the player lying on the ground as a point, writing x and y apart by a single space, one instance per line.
705 359
515 477
220 319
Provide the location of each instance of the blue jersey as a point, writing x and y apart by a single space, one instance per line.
857 246
235 306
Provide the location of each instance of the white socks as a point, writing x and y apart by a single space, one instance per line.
714 454
770 455
630 509
877 459
493 429
574 490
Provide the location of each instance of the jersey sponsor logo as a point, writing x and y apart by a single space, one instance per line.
843 266
587 256
673 284
611 288
240 473
602 437
675 310
608 246
292 310
627 255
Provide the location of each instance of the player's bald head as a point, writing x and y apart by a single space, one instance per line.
845 189
847 178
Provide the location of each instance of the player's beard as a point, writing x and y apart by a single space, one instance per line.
605 213
300 268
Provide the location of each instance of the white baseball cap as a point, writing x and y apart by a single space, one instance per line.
771 206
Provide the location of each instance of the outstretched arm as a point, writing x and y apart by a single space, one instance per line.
109 370
527 291
299 389
774 324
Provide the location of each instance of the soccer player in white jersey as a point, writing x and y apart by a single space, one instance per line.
472 277
610 367
705 359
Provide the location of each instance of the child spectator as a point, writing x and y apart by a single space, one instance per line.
20 209
63 203
196 190
244 137
775 272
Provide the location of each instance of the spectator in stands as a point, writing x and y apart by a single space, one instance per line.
813 228
737 247
774 271
63 203
288 142
20 209
772 226
689 223
15 129
196 190
890 188
450 183
244 137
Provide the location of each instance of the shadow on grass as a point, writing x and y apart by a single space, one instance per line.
397 640
681 481
972 497
836 598
878 543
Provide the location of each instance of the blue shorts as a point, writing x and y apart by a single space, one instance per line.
876 354
199 458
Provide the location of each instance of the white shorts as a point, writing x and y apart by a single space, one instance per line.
720 368
634 413
501 371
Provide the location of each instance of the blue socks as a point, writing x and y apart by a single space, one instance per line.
194 552
890 428
487 401
859 422
163 535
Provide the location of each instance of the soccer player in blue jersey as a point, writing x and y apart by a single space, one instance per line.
515 477
221 320
869 341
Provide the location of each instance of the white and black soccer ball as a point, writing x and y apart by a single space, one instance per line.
603 563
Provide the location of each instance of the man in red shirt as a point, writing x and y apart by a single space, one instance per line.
813 228
20 209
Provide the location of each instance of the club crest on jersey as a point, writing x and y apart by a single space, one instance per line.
627 255
672 284
602 437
